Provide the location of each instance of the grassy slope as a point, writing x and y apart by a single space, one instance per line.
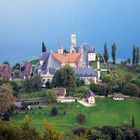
121 71
106 112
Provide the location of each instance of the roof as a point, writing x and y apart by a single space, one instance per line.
52 71
118 95
87 48
67 57
50 63
60 91
5 70
44 56
76 48
26 69
85 71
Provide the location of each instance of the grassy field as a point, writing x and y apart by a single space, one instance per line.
105 112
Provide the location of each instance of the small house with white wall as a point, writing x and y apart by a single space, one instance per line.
118 97
89 97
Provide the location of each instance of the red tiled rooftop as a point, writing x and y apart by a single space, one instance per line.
67 58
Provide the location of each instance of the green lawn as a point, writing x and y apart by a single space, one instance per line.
105 112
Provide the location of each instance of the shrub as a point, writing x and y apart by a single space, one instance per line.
51 95
54 111
131 89
80 118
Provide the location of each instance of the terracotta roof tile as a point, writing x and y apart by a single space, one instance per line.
67 58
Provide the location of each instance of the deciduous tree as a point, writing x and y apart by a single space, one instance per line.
28 131
65 77
131 89
51 96
50 132
32 83
6 97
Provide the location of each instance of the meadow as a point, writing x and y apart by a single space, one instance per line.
105 112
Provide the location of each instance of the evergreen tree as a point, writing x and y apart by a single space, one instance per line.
134 55
137 56
6 62
133 121
106 57
128 60
114 53
43 47
17 66
54 111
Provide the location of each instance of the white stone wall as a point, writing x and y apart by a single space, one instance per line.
91 100
91 57
60 51
89 79
118 99
47 77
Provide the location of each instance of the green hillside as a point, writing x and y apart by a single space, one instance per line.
105 112
116 70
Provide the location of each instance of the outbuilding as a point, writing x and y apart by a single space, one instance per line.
118 97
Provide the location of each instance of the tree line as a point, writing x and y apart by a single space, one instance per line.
135 55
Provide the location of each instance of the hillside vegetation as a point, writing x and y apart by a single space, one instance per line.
34 62
116 70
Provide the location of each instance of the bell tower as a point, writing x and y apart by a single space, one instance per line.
73 40
73 43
